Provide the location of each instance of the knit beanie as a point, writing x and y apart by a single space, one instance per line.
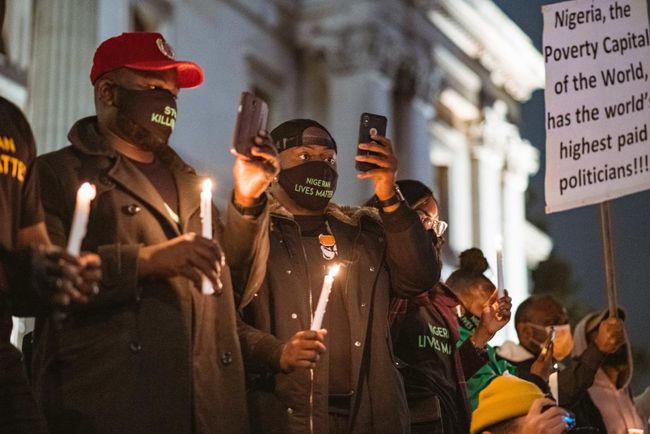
506 397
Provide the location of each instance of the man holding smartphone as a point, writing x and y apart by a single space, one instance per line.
341 378
542 317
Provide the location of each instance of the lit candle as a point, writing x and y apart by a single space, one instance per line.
500 286
317 322
206 226
85 194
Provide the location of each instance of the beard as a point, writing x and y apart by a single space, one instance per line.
137 135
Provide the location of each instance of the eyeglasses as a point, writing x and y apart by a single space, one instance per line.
438 226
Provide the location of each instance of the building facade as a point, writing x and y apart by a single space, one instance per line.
450 75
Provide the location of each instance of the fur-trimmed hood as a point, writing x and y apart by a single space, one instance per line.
580 344
351 215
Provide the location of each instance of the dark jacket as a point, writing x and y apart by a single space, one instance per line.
385 255
424 402
145 356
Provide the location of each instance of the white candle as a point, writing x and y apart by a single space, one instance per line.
85 194
317 322
206 226
500 285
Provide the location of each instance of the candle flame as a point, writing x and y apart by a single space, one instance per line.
207 185
87 191
334 269
499 242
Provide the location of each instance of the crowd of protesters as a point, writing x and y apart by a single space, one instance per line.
126 342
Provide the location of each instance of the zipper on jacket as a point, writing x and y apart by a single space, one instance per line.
311 315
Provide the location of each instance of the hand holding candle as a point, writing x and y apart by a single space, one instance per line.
206 226
317 322
85 194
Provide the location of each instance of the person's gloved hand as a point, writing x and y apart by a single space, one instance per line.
61 278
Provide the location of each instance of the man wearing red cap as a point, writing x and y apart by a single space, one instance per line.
151 354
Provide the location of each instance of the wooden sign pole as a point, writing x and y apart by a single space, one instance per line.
608 257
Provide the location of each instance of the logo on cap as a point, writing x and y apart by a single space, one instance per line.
165 48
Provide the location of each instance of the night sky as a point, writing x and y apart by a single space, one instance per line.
576 233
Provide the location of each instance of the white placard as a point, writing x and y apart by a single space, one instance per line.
597 57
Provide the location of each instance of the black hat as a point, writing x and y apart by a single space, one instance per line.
413 191
290 134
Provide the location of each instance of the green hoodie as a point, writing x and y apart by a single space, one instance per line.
492 369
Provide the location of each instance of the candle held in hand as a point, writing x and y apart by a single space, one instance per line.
206 226
85 194
500 285
317 322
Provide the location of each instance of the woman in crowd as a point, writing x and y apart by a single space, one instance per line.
425 332
474 289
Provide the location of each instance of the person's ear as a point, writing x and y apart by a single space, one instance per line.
105 91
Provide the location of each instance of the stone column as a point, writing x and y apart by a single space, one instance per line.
488 203
58 82
514 219
350 95
487 199
360 64
417 83
414 144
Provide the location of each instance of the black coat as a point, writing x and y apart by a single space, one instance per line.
388 255
145 356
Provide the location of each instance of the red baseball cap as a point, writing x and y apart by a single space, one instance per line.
143 51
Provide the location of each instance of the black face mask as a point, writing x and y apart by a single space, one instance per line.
310 185
469 321
145 118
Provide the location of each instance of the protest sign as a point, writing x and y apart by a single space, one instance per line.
597 95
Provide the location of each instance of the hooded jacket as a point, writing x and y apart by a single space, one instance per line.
408 318
145 355
605 406
574 375
385 254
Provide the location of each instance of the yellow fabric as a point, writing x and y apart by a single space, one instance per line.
505 398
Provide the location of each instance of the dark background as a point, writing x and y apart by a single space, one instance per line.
576 233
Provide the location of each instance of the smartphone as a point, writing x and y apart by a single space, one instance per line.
369 125
569 419
252 115
551 338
